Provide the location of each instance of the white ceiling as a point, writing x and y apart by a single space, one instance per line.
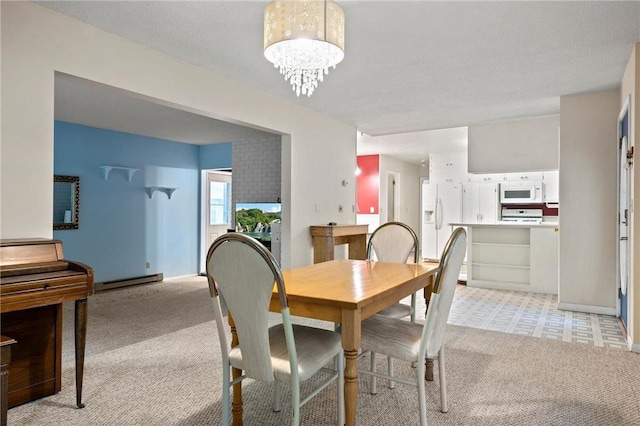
409 67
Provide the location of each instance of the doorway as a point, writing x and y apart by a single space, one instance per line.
623 213
216 203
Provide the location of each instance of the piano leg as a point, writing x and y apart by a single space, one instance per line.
81 339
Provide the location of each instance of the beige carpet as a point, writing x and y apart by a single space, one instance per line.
153 359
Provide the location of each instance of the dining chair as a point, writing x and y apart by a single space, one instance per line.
243 272
415 342
393 242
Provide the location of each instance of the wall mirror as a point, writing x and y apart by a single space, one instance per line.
66 200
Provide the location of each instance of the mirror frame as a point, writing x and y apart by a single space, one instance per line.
75 213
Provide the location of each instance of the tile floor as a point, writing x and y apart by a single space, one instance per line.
533 314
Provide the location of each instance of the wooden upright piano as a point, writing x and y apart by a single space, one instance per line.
35 280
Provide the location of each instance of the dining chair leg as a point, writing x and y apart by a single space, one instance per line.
444 406
422 401
392 384
295 403
336 327
374 381
226 397
340 387
276 396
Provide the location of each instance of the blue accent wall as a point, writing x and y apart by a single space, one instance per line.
121 228
215 156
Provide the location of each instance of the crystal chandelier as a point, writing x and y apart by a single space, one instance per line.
303 38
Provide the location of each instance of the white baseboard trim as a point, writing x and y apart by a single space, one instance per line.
181 277
125 282
633 347
591 309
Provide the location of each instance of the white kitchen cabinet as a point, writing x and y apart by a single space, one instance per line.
499 257
527 176
480 202
486 177
513 257
551 181
450 167
544 259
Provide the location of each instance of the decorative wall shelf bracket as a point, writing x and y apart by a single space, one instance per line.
106 170
151 189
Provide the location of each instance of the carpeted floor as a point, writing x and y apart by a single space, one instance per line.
153 359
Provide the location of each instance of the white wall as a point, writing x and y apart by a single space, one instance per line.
36 43
514 146
588 186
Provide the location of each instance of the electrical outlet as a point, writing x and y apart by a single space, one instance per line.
340 208
148 265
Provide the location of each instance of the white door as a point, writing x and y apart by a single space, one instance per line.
623 229
219 203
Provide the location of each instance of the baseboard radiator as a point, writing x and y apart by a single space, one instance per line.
146 279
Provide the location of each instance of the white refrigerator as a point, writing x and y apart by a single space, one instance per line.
441 205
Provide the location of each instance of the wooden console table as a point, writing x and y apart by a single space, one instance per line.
326 237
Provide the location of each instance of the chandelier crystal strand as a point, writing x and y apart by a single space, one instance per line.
303 38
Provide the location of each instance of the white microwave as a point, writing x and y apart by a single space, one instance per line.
521 192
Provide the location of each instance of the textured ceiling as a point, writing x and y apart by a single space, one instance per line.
409 66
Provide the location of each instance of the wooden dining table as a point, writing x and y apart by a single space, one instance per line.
345 291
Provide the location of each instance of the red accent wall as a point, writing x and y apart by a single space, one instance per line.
368 184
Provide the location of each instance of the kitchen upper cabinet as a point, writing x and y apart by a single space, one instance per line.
551 186
527 176
480 202
448 167
486 177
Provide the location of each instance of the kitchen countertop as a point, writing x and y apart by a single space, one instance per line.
508 224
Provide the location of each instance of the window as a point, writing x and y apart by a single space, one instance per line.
219 202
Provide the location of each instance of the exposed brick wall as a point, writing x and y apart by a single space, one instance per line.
256 170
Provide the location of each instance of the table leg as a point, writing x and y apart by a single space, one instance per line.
428 371
80 343
351 340
236 403
323 249
358 247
